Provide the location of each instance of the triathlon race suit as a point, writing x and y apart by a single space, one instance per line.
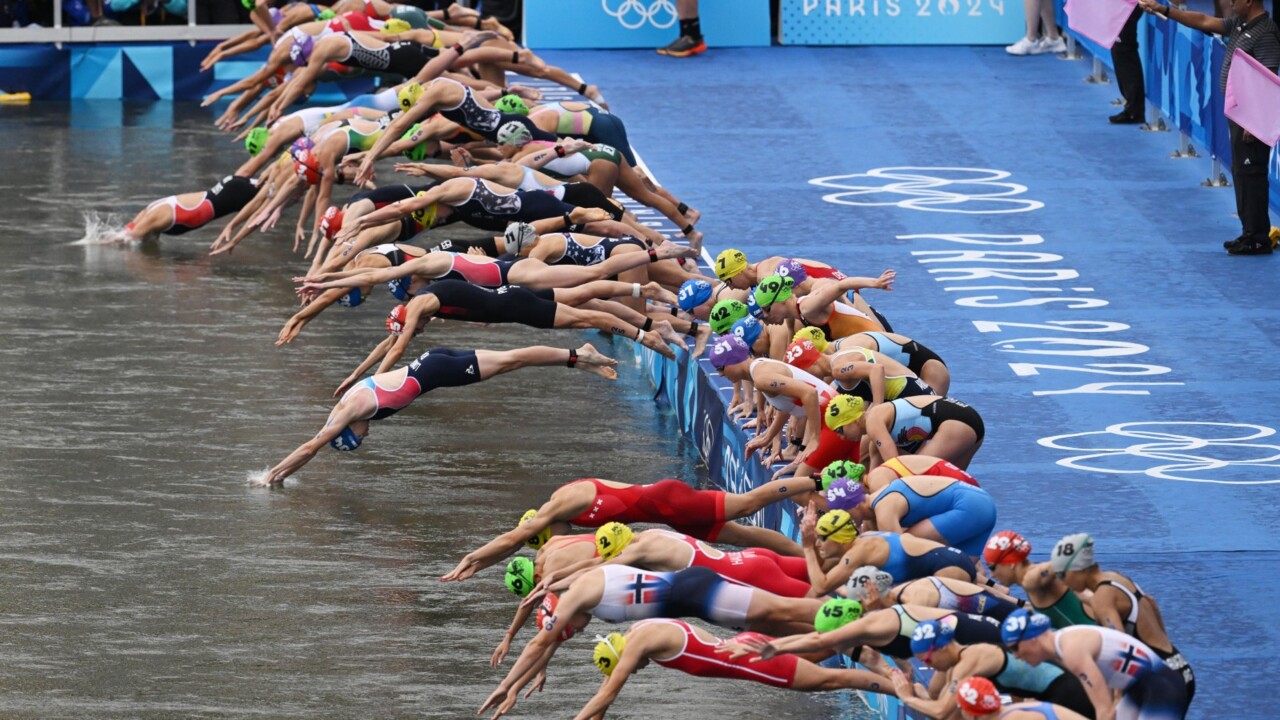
912 354
485 273
433 369
787 404
962 514
486 121
489 210
701 659
1173 659
1046 681
699 513
912 425
1045 709
904 567
845 320
756 567
942 468
970 630
357 20
403 57
1067 611
576 253
1152 690
634 594
460 300
982 603
578 163
229 195
895 387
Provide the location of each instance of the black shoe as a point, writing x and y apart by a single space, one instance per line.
1124 118
683 46
1250 248
1228 244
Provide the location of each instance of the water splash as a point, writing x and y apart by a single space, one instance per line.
104 229
257 478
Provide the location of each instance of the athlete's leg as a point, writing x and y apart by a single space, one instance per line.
740 505
603 174
631 183
937 376
954 441
925 529
811 677
496 362
751 536
610 289
150 222
571 317
767 609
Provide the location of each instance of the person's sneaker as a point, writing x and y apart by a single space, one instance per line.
1250 248
1025 46
1228 244
1055 46
683 46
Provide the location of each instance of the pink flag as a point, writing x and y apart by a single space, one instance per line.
1253 98
1099 20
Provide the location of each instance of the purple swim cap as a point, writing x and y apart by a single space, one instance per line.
728 350
845 494
792 269
300 53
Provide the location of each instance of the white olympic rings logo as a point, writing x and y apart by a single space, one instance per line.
1184 451
970 191
632 14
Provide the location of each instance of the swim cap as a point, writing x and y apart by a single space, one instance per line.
409 94
813 335
977 696
519 236
612 538
346 441
729 263
749 329
300 146
842 469
416 153
545 617
300 52
865 576
1023 624
519 577
932 635
608 652
692 294
842 410
753 307
256 138
773 289
396 319
728 350
352 299
396 25
399 289
331 222
1006 548
837 526
724 314
327 14
512 105
427 216
307 170
1073 552
276 15
514 133
845 494
537 541
792 269
802 354
836 613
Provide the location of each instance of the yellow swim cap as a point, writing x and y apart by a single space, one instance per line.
396 25
537 541
409 95
426 217
837 526
813 335
842 410
608 652
729 263
612 538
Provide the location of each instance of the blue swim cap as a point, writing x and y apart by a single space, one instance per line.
749 329
399 288
351 299
753 307
693 293
1022 624
727 350
346 441
932 635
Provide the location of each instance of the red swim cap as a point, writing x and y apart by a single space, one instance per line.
1006 548
307 167
396 319
977 696
331 223
546 614
802 354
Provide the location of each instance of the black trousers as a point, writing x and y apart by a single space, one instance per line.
1124 55
1249 173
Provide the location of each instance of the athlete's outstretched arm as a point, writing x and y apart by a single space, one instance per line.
612 685
374 356
828 292
502 546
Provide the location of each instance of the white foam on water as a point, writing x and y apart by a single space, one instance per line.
104 229
257 478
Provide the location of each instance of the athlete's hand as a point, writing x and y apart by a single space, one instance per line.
786 470
289 331
809 525
538 681
365 174
346 384
885 281
414 169
499 694
465 569
500 652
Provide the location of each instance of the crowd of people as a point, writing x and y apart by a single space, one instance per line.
898 555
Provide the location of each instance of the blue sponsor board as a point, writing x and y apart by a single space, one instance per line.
640 23
901 22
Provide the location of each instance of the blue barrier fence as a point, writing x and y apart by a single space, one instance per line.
900 22
640 23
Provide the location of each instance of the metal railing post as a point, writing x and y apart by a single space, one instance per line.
1216 178
1099 74
1185 148
191 19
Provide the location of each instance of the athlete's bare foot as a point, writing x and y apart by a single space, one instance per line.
654 291
528 58
593 94
594 362
668 250
669 334
654 341
491 23
700 340
695 241
693 216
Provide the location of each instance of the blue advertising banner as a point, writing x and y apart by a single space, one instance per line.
640 23
901 22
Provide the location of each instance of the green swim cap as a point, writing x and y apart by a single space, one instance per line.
255 141
248 4
773 289
513 104
418 152
327 15
842 469
836 613
519 577
725 313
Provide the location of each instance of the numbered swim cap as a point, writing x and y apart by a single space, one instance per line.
724 314
396 319
845 494
409 94
863 578
749 329
837 526
1073 552
813 335
835 614
546 616
396 25
300 146
846 469
842 410
1006 548
608 652
729 263
255 140
537 541
977 696
773 289
352 299
519 236
300 52
1022 624
753 307
802 354
792 269
331 222
514 133
307 167
612 538
399 289
346 441
727 350
931 635
692 294
519 577
416 153
512 104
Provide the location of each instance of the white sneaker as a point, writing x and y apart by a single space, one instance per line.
1055 46
1024 46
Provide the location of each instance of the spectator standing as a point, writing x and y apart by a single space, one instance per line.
1128 65
690 41
1039 11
